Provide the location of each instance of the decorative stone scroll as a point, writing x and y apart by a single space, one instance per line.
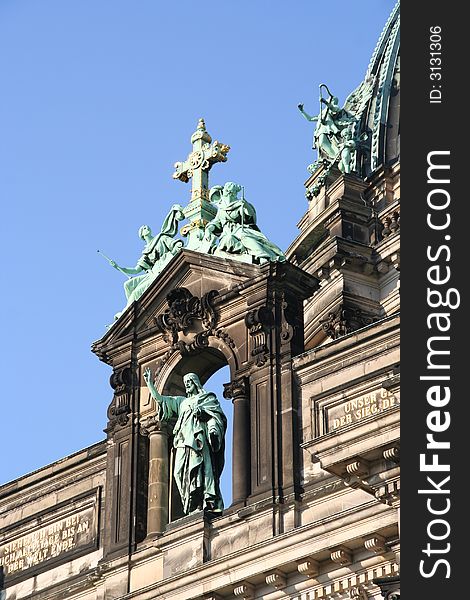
120 407
277 579
188 314
245 591
375 543
309 567
342 556
259 323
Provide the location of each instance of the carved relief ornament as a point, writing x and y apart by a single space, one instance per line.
259 322
120 407
344 320
188 322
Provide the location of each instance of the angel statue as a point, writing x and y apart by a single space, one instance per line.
346 149
328 139
157 252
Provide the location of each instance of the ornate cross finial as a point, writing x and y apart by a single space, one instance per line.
196 167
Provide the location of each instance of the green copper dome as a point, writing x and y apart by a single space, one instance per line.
380 120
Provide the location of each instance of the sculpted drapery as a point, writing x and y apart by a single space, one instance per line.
198 442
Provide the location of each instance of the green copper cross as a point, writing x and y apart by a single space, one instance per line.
196 167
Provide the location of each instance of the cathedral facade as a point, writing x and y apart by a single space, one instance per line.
311 339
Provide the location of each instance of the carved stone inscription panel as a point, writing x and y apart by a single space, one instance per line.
356 409
48 538
353 407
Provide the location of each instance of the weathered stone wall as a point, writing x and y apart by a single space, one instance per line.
51 524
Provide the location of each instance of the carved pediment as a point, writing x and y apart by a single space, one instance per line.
199 274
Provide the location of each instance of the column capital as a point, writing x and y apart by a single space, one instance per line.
236 388
152 425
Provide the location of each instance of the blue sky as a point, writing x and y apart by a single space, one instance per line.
98 99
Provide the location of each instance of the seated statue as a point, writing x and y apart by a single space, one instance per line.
157 252
198 442
235 227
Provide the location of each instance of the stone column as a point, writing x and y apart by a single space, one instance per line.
241 470
158 483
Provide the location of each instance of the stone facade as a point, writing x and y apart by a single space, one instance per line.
312 345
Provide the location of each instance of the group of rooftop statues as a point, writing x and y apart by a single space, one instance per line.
336 137
233 232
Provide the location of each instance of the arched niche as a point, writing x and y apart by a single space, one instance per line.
204 364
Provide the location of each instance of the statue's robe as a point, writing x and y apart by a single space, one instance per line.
155 250
239 233
199 445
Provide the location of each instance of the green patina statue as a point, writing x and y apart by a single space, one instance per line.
157 252
198 442
235 227
346 149
220 223
334 137
331 121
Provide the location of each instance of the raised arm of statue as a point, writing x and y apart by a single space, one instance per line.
142 264
114 264
128 270
305 114
151 385
167 406
162 414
